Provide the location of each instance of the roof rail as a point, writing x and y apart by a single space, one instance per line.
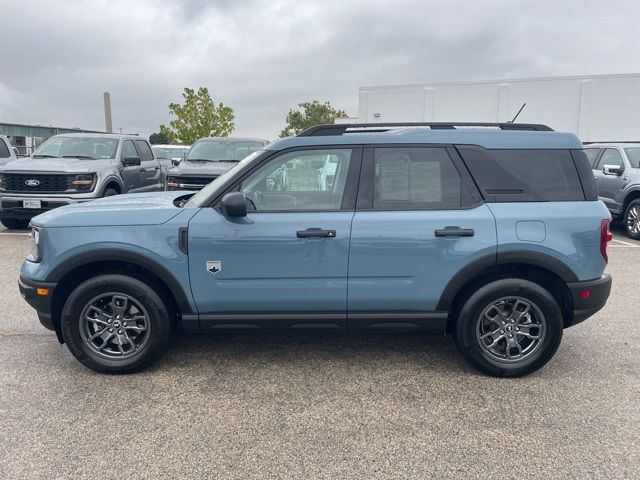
342 128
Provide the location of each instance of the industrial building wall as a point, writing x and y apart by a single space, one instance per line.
596 108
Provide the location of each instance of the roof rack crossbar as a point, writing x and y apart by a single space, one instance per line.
342 128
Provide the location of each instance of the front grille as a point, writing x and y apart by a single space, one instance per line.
17 182
192 183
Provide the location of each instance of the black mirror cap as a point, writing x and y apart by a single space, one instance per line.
131 161
234 205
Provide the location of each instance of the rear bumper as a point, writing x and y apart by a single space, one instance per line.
599 290
41 303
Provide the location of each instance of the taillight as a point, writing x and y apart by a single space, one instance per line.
605 237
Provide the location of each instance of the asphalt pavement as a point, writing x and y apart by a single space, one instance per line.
322 406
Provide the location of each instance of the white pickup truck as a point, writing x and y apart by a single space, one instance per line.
7 152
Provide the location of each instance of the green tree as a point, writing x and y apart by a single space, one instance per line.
158 139
310 114
198 117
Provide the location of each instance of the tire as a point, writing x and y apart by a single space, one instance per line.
14 223
109 192
123 343
632 219
509 297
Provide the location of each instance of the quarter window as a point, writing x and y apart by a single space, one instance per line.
303 180
592 155
415 179
611 156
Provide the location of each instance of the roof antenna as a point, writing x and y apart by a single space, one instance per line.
521 108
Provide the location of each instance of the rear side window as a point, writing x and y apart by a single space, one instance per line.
145 151
415 179
633 155
4 151
524 175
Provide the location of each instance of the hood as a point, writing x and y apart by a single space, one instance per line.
133 209
187 167
57 165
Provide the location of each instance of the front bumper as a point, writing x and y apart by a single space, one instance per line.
585 306
41 303
11 205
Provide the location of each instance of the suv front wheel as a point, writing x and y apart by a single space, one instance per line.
632 219
115 324
509 327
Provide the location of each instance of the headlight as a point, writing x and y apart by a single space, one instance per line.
1 182
172 182
35 252
84 183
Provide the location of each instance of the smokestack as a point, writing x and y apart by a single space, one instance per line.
108 126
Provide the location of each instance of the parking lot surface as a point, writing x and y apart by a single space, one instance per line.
322 406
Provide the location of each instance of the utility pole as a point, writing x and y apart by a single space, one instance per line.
108 125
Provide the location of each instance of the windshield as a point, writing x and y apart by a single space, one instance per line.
170 152
78 147
205 193
222 150
633 153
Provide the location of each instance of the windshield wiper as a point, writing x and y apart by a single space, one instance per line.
40 155
78 156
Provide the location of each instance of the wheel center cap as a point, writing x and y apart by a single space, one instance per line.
116 324
509 328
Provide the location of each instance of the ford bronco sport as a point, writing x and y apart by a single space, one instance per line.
74 168
492 234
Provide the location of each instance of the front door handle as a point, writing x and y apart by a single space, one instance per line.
315 232
455 232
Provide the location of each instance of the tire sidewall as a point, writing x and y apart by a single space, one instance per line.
485 296
160 328
633 203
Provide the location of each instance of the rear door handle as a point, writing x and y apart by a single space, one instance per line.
315 232
455 232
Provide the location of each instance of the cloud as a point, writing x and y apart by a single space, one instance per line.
264 57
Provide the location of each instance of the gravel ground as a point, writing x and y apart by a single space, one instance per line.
322 406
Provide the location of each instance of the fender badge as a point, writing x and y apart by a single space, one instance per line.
214 266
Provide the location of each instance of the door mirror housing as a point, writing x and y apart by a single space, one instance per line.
175 162
131 161
234 205
612 170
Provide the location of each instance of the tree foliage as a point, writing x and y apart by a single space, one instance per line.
158 139
198 117
310 114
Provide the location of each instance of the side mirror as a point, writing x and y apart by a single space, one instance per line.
234 205
131 161
175 162
612 170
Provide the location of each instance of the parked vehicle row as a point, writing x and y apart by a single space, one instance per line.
493 235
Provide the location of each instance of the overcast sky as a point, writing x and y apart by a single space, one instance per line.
262 57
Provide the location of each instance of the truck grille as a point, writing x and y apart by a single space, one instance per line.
192 183
33 182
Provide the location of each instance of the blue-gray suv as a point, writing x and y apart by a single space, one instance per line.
492 233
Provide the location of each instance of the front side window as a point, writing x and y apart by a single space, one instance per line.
611 156
303 180
129 150
4 151
592 155
415 178
633 154
78 147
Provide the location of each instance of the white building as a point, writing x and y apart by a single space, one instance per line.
596 108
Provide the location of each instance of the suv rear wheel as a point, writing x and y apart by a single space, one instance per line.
15 223
632 219
115 324
509 328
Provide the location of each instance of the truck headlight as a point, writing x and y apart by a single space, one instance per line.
35 252
84 183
